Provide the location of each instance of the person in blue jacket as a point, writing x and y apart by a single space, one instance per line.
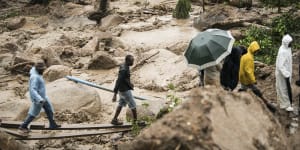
39 99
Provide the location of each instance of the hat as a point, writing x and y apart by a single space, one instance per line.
40 65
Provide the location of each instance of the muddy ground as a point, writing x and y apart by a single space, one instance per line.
71 44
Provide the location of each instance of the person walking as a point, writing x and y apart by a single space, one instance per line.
246 74
283 74
39 99
229 76
124 86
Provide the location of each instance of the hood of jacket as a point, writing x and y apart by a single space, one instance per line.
33 71
253 47
286 40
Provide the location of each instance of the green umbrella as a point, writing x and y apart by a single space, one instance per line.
208 48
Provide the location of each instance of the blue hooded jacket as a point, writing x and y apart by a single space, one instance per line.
37 92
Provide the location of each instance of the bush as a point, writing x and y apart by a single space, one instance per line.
268 47
276 3
270 40
182 9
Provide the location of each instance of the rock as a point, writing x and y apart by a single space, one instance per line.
90 48
51 56
21 64
8 142
143 113
65 94
3 4
205 120
171 70
102 60
5 60
178 48
55 72
48 40
9 109
104 35
237 34
10 47
225 17
16 23
111 20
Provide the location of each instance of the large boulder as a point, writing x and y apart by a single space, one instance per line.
51 56
46 40
225 17
15 109
65 94
90 48
21 64
55 72
172 69
111 20
143 113
214 120
102 60
9 142
16 23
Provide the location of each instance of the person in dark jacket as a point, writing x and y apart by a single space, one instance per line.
123 86
229 76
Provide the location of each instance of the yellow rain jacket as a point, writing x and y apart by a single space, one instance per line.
246 73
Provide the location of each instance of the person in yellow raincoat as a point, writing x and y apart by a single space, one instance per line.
246 73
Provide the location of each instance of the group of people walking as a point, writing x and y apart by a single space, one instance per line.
39 99
239 67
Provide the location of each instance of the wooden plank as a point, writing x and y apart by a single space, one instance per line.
88 126
69 135
14 133
16 124
41 126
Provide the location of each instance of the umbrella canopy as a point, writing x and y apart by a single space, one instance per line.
208 48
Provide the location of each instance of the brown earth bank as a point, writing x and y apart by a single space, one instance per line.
62 35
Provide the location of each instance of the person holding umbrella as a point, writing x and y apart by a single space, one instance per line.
229 76
283 74
206 51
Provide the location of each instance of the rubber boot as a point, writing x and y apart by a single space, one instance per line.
24 126
49 113
115 120
134 113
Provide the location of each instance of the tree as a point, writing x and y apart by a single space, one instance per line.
100 13
103 5
182 9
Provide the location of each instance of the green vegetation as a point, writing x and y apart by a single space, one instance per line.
182 9
270 39
136 129
281 3
173 101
